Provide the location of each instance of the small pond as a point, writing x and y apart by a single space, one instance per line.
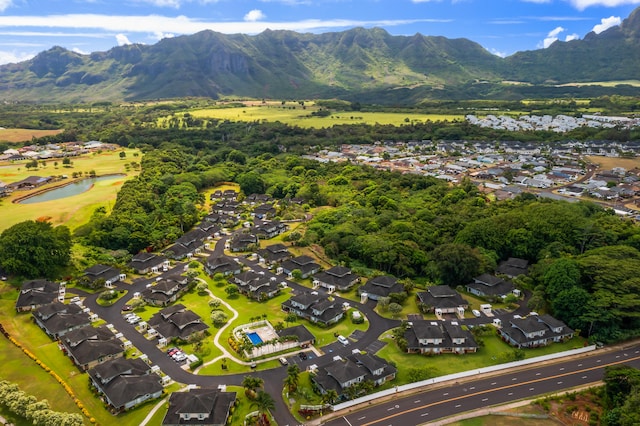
69 190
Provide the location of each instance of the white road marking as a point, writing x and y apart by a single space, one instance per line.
416 401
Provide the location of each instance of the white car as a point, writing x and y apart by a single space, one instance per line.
343 340
475 312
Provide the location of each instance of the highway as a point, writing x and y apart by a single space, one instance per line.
438 401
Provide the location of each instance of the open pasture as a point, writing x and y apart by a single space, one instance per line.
24 135
297 116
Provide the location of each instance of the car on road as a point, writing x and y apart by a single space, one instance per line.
343 340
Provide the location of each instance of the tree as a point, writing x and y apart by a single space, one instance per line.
383 304
296 274
250 384
251 183
232 291
201 288
219 318
395 308
214 304
455 264
330 396
292 379
35 249
263 402
122 155
290 317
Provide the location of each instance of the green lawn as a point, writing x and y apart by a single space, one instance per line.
71 211
301 117
494 352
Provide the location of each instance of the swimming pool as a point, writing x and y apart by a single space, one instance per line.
255 339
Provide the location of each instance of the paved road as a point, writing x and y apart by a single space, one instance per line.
444 401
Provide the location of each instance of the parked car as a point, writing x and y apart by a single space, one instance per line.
302 356
343 340
283 360
475 312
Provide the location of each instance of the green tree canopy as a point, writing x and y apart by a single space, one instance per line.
35 249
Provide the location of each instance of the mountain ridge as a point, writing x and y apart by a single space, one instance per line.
288 65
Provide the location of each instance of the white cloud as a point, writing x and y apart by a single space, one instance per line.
122 39
153 24
78 50
583 4
571 37
173 3
4 4
159 35
537 1
254 15
14 57
551 37
498 53
606 23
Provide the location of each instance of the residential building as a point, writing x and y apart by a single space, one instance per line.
315 308
275 253
513 266
166 291
436 337
442 299
381 286
57 319
101 275
336 278
201 407
187 245
125 383
257 285
144 262
89 346
269 230
224 265
305 338
36 293
242 241
487 285
305 264
535 330
177 322
341 373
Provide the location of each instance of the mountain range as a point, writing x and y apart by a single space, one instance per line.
358 64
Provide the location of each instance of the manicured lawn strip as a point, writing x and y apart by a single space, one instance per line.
494 352
25 135
304 395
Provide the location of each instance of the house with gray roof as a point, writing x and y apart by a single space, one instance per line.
336 278
201 407
177 322
442 299
57 319
89 346
125 383
145 262
274 253
305 264
534 331
166 291
438 337
490 286
36 293
342 373
224 265
98 275
381 286
513 266
315 308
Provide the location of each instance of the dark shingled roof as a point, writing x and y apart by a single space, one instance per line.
213 404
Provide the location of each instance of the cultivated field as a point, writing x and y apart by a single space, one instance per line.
71 211
297 116
24 135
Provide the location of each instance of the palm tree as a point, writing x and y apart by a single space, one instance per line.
263 402
330 396
293 372
250 384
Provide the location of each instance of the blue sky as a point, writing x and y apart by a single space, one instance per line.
503 27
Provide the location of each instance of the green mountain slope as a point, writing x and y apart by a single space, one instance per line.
366 64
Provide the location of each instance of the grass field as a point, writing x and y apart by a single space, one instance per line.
302 117
71 211
634 83
607 163
24 135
